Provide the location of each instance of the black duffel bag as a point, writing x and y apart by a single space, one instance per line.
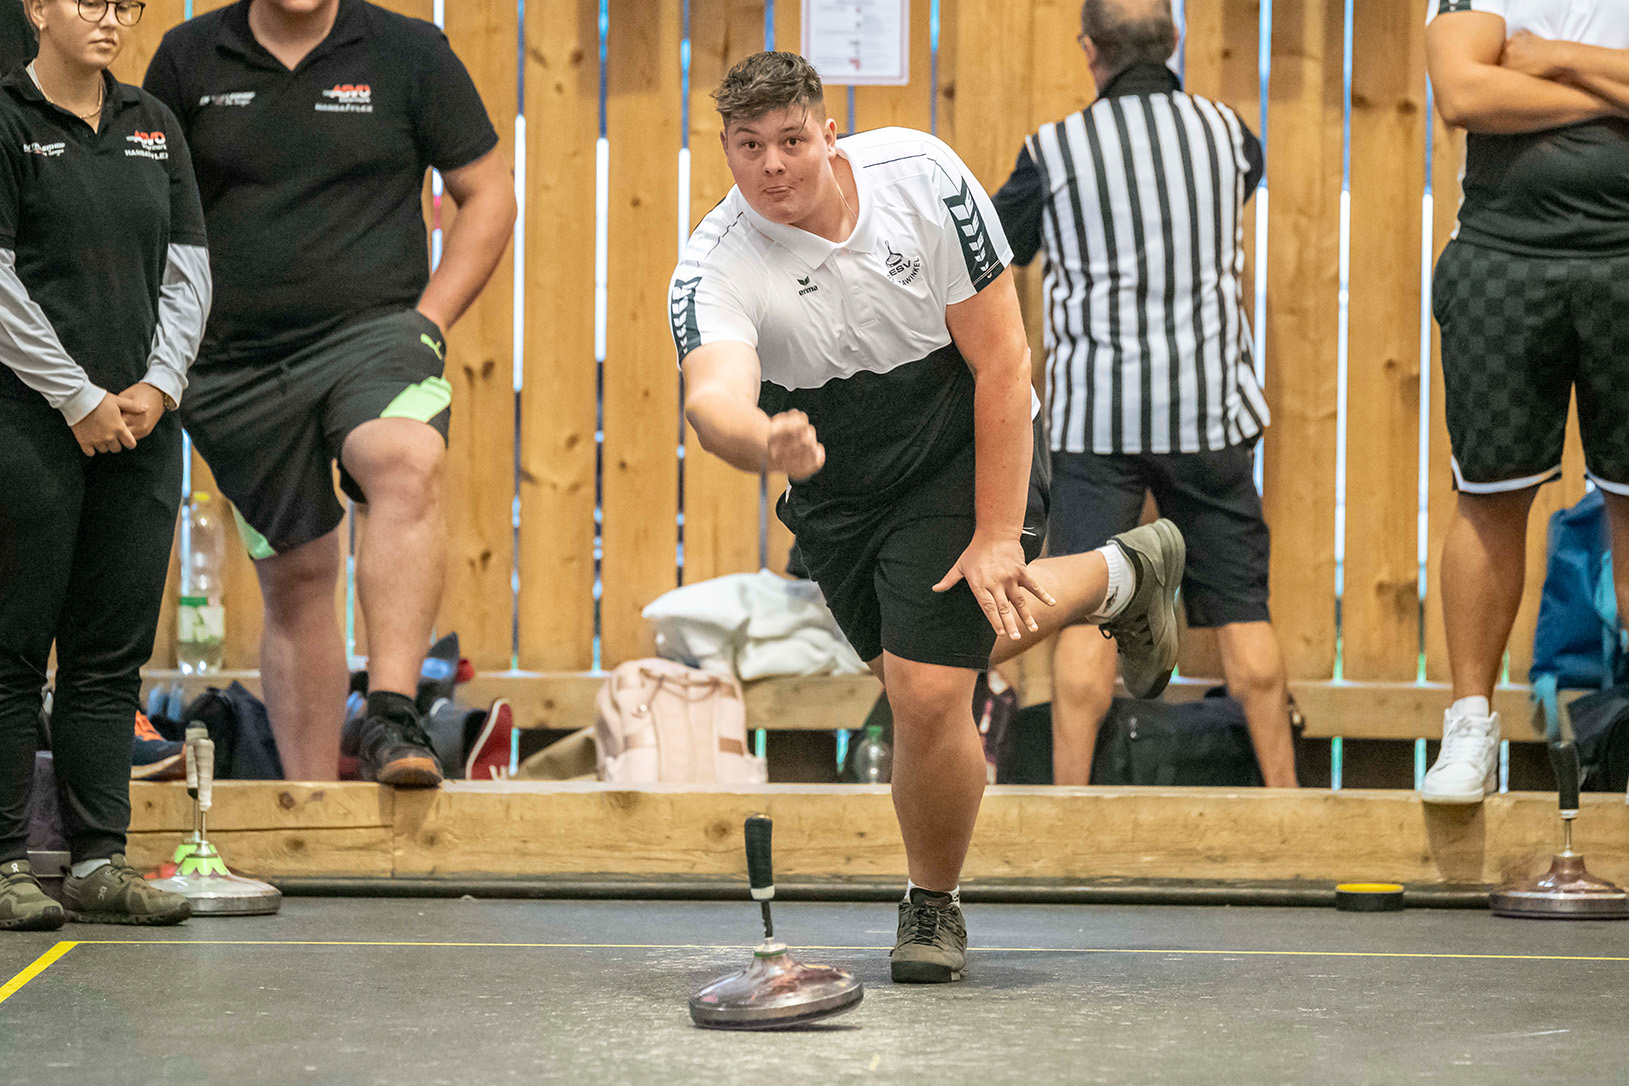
1600 725
1204 742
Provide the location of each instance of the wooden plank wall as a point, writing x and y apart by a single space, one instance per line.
1003 67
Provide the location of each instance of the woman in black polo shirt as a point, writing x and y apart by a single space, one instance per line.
104 288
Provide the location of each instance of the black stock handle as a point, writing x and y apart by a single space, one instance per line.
760 861
1564 759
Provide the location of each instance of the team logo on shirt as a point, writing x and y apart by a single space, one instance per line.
230 98
1450 6
806 287
682 304
148 145
47 150
347 98
901 269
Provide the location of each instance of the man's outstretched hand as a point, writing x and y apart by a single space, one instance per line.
997 575
794 450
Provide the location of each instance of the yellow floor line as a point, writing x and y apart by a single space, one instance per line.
977 949
41 964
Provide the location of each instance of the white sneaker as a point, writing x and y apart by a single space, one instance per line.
1467 767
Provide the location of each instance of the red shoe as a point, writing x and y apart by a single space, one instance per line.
490 753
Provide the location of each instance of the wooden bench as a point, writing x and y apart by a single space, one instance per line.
565 700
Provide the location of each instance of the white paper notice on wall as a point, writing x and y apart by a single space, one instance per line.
858 42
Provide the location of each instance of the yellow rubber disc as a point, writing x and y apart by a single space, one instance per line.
1369 897
1369 888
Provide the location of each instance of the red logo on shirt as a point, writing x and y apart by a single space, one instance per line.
148 145
347 98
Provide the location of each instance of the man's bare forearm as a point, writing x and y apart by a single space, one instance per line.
1600 71
732 430
1497 101
1004 445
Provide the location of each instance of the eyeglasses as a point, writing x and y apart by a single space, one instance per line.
128 12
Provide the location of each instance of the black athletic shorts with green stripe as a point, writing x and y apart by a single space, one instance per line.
271 433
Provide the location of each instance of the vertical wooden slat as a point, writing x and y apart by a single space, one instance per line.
1221 54
1304 164
720 503
994 55
946 88
909 105
480 474
558 399
1380 612
141 41
641 382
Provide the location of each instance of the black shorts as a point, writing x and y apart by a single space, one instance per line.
1210 496
271 433
878 579
1519 334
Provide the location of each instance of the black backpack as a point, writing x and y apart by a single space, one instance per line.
1204 742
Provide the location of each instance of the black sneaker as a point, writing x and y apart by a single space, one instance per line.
395 750
932 944
115 893
24 906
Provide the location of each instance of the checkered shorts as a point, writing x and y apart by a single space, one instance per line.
1519 333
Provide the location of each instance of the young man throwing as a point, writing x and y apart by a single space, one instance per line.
845 316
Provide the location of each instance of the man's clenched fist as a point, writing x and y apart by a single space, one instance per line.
793 448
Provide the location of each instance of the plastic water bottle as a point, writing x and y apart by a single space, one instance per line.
873 758
201 616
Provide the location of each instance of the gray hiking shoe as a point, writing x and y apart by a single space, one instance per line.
115 893
932 943
23 905
1146 631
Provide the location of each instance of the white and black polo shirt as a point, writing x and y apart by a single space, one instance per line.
854 334
312 179
1559 192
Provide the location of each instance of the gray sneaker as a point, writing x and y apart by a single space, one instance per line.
932 943
23 905
1146 631
115 893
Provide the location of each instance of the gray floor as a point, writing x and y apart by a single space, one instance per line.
1054 994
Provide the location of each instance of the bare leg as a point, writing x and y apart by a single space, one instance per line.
1083 672
1254 667
402 563
1077 583
939 767
1484 562
303 673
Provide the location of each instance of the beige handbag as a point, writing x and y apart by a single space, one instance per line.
661 722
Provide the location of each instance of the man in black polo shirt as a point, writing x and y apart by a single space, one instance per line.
312 123
17 42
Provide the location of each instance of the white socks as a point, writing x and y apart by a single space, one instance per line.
84 868
955 892
1473 707
1122 583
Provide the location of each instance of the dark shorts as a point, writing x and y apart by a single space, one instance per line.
878 581
1519 334
1210 496
272 432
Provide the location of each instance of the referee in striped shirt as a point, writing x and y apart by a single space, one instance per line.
1137 202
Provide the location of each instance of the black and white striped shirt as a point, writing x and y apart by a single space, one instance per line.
1137 200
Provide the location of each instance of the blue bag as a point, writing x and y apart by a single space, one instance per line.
1578 643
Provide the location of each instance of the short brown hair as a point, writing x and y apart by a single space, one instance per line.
766 82
1125 37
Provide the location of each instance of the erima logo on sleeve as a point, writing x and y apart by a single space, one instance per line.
47 150
347 98
230 98
148 145
1450 6
975 238
686 332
